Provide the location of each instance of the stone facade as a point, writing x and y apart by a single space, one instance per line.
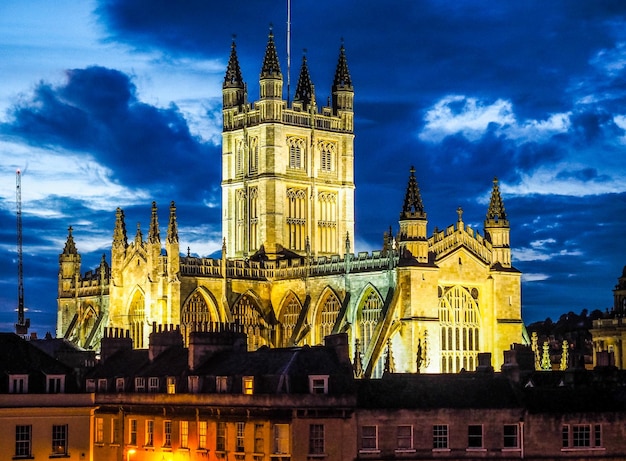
287 272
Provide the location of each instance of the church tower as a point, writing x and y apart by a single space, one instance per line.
413 239
497 228
299 158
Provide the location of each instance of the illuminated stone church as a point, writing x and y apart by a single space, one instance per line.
287 272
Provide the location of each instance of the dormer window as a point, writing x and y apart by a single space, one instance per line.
171 385
90 385
102 385
221 384
140 384
248 385
153 384
193 382
318 384
55 384
18 384
119 385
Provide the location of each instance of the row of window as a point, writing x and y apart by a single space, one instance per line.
297 157
18 384
573 436
318 384
24 440
184 438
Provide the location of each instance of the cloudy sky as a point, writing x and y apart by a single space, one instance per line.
117 103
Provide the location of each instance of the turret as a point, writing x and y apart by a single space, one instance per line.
271 83
412 239
154 242
69 264
172 245
305 92
497 228
343 92
233 88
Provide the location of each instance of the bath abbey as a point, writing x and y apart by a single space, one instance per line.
288 274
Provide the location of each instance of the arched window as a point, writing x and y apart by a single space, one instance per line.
288 320
137 320
327 222
194 314
296 218
370 314
459 320
327 156
327 316
297 160
254 154
254 325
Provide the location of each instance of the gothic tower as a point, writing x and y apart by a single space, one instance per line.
298 158
413 239
497 228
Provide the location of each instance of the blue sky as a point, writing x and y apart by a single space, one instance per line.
117 103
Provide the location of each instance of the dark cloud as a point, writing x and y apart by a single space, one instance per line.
97 111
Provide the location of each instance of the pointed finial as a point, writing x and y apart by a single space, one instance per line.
459 211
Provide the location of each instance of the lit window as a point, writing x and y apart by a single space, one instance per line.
316 439
132 432
511 437
140 384
55 384
59 439
220 444
440 436
149 433
248 385
202 430
171 385
153 384
369 438
167 433
240 436
318 384
281 439
404 438
115 431
99 431
119 385
475 436
23 441
221 384
184 434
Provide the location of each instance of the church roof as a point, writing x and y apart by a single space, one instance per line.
413 208
304 90
271 67
342 74
233 78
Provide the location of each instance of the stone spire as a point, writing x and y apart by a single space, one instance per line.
412 238
154 235
120 240
497 229
172 226
138 236
413 208
305 92
233 78
342 79
70 246
496 212
271 67
233 88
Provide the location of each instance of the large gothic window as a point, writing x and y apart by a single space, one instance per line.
246 315
327 316
254 218
240 219
195 313
296 218
327 156
239 156
137 320
370 315
246 219
288 320
459 320
327 222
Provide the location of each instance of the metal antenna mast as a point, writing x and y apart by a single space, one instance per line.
21 327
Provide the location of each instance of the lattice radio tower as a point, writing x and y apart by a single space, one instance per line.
21 327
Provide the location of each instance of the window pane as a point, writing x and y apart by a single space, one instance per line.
405 437
316 439
368 438
22 440
510 436
59 439
440 436
475 436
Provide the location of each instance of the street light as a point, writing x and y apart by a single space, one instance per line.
131 451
